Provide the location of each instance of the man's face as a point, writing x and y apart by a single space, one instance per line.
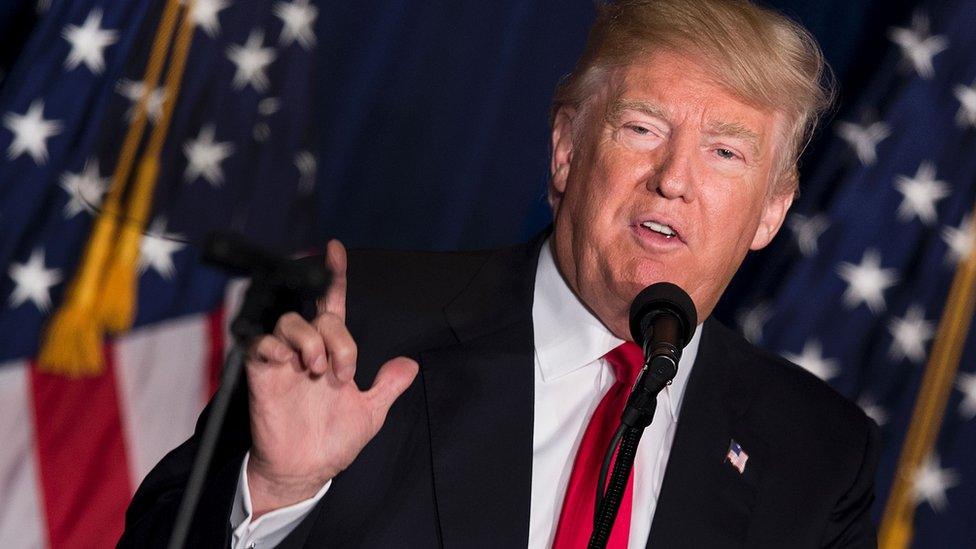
668 179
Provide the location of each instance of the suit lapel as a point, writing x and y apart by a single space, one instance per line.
704 500
479 395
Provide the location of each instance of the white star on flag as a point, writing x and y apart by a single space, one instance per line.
812 360
157 248
204 15
872 409
297 17
910 334
920 194
251 60
807 231
930 482
867 281
966 383
752 320
306 164
88 43
204 156
967 104
959 239
269 106
31 132
917 47
864 139
133 90
85 189
33 282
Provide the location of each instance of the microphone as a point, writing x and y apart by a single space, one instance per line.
662 320
278 284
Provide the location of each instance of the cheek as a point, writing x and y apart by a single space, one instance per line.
594 197
728 226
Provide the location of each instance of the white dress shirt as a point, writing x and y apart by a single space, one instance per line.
571 378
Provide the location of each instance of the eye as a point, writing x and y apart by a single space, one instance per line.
726 154
638 134
639 130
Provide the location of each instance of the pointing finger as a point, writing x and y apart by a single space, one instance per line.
334 300
339 345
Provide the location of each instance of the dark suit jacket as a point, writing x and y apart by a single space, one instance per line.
452 465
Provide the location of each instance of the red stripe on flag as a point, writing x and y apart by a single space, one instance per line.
84 475
215 361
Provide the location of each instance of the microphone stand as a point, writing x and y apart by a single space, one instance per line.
659 369
275 283
233 364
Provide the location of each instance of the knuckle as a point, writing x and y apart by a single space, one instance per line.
261 348
311 346
345 352
287 322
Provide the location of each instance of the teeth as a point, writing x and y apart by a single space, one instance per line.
659 228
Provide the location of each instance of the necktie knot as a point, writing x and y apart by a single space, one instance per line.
626 359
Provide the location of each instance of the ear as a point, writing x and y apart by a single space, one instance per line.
774 212
562 154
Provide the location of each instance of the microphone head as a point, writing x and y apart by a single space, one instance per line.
662 297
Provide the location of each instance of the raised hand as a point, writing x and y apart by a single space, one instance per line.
309 420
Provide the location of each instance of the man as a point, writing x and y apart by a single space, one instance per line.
674 149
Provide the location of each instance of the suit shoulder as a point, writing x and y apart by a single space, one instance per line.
404 295
427 278
788 395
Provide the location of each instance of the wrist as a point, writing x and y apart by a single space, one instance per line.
270 491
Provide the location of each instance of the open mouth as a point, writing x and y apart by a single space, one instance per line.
660 228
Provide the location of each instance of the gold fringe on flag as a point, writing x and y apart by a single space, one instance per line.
72 344
117 303
897 523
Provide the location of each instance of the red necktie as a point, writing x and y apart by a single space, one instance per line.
576 518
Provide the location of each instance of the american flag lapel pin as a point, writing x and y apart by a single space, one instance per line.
737 456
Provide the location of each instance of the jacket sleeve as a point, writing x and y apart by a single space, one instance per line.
850 523
151 515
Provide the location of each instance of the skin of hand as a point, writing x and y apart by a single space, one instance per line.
309 420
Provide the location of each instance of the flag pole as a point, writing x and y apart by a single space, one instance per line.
897 523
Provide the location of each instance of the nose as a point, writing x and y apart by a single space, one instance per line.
673 178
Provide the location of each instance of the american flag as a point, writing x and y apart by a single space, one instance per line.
737 456
237 155
856 289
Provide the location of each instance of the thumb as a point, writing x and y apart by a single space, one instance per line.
392 380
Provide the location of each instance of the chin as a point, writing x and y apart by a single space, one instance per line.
649 271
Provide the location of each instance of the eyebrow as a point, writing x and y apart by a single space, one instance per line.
738 131
618 107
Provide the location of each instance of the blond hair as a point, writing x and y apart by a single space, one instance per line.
762 57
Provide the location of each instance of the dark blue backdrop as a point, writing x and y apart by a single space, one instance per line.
433 114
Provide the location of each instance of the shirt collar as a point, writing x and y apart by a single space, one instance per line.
568 336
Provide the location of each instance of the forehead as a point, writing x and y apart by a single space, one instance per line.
679 89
